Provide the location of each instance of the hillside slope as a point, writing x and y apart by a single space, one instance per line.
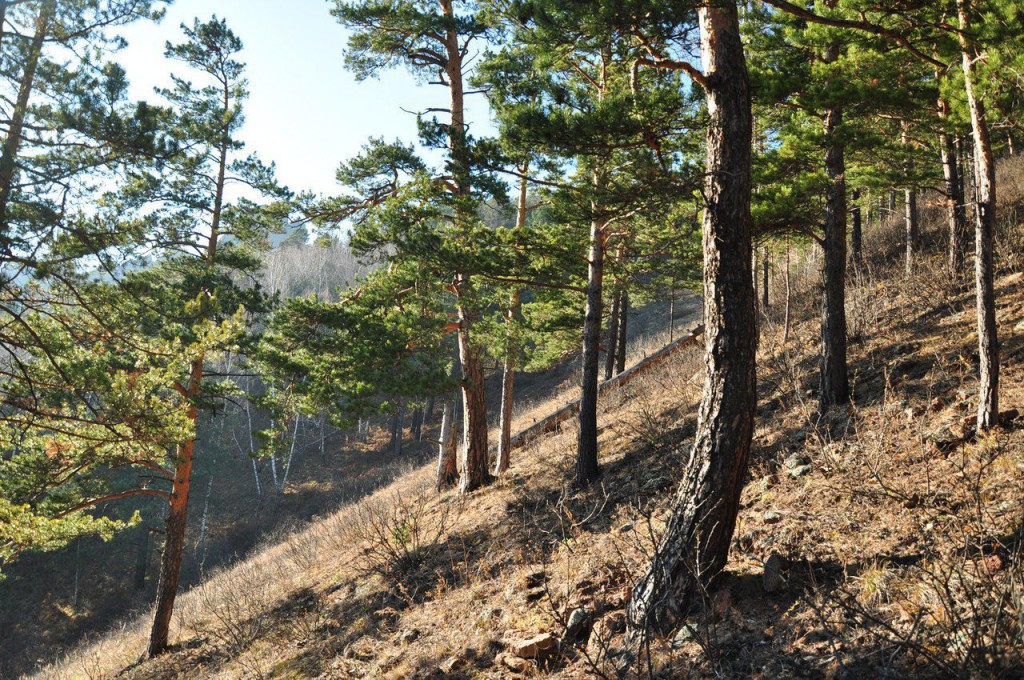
879 541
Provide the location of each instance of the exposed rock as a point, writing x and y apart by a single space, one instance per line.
512 662
627 527
1008 416
538 647
797 460
798 436
943 440
686 632
451 664
576 625
799 471
409 635
773 580
772 517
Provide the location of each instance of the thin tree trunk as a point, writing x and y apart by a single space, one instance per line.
508 382
789 295
764 279
447 473
611 351
12 144
954 195
672 311
174 541
416 427
396 429
892 202
620 360
201 543
910 222
695 545
834 386
985 180
910 211
856 237
291 453
586 451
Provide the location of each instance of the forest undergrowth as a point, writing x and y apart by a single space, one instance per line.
878 540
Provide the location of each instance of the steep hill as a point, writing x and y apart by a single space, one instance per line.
882 540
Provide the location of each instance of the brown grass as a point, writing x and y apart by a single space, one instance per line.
902 554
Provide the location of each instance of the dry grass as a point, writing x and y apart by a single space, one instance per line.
901 546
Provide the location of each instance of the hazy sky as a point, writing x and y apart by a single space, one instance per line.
306 112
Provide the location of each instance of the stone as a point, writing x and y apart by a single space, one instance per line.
772 517
450 665
773 580
721 602
625 528
512 662
575 626
686 632
534 594
799 471
943 440
798 436
1008 416
538 647
796 460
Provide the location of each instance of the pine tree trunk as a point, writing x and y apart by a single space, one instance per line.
695 545
508 384
473 470
620 350
954 195
174 545
834 386
985 220
910 222
447 473
416 427
396 429
892 202
856 237
764 279
789 295
12 143
611 351
586 451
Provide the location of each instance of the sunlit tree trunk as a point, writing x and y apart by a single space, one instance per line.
984 235
695 544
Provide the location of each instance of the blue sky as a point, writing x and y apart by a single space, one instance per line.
306 112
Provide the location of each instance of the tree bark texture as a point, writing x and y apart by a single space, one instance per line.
620 349
695 545
586 450
984 236
611 351
12 143
834 385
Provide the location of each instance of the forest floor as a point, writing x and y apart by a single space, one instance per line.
880 540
